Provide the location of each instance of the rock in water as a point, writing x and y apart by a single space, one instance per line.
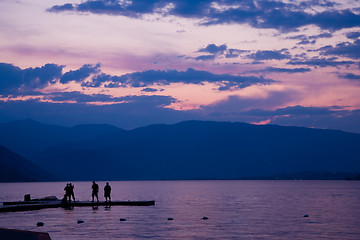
122 219
39 224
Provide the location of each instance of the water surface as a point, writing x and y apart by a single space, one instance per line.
236 210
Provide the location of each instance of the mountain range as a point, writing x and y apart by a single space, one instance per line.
187 150
14 168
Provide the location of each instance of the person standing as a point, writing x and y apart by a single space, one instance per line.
95 191
72 191
67 192
107 191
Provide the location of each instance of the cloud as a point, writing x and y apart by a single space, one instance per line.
310 39
259 14
269 55
79 97
321 62
134 112
12 78
190 76
233 53
218 51
345 49
281 70
213 49
150 90
81 74
349 76
315 117
293 110
205 57
235 108
304 42
353 35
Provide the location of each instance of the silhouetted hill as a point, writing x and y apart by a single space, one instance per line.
204 150
28 137
14 168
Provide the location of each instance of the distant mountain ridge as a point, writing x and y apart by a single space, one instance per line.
28 137
14 168
192 150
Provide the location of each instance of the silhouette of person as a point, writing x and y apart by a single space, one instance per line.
107 191
95 191
71 187
67 192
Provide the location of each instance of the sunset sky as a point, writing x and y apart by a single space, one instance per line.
134 63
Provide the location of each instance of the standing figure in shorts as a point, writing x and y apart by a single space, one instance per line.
71 191
107 191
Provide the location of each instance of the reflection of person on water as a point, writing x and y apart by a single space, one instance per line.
72 191
107 191
95 191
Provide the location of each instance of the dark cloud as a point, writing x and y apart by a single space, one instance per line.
345 49
205 58
190 76
259 14
270 55
292 110
304 42
79 97
213 49
321 62
315 117
349 76
81 74
150 90
310 39
137 111
353 35
281 70
60 8
233 53
12 78
218 51
134 112
321 35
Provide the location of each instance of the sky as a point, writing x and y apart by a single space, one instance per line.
135 63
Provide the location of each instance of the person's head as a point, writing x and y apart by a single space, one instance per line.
107 183
67 184
93 182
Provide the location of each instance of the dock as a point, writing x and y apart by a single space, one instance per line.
15 234
37 205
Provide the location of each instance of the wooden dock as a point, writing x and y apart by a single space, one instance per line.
37 205
15 234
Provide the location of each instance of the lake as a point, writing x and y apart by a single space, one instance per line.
235 210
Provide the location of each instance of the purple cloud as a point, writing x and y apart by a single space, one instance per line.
12 78
269 55
259 14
